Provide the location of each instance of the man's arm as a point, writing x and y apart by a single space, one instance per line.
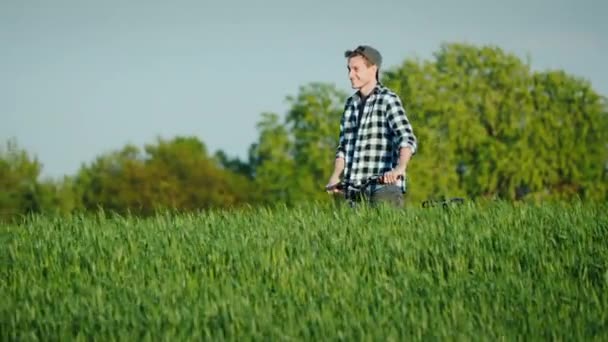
338 169
405 154
335 176
406 139
401 126
339 157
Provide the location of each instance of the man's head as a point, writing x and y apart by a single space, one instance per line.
363 65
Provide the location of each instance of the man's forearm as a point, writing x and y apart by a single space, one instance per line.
405 153
338 167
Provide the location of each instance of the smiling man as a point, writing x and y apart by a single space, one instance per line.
376 137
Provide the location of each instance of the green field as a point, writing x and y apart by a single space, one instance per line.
311 273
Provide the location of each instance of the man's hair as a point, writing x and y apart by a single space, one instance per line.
368 62
355 53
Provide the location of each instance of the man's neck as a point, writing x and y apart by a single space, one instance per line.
368 88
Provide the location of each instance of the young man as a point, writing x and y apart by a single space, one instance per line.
376 138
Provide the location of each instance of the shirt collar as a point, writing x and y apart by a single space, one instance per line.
374 91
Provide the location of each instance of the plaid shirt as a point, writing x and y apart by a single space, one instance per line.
371 147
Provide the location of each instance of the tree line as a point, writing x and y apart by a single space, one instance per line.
488 127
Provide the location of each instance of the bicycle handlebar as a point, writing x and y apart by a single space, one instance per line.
344 184
444 202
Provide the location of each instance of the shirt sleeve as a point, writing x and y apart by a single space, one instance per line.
399 122
341 148
340 151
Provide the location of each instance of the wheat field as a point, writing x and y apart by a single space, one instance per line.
474 272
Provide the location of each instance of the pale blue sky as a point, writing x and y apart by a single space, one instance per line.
81 78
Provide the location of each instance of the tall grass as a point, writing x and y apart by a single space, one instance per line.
315 273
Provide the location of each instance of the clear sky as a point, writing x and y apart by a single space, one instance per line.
81 78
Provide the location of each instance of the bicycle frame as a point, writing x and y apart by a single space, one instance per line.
354 193
442 202
357 189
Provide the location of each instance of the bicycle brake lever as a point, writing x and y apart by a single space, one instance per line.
334 186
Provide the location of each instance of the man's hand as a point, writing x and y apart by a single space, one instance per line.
392 176
331 186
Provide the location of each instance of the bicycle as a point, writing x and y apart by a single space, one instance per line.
342 185
357 189
443 202
354 192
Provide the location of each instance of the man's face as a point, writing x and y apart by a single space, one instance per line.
359 73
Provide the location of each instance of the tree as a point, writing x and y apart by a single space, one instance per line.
517 132
22 192
176 174
293 159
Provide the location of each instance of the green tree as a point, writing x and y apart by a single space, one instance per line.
293 158
272 161
517 132
22 192
171 174
234 164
